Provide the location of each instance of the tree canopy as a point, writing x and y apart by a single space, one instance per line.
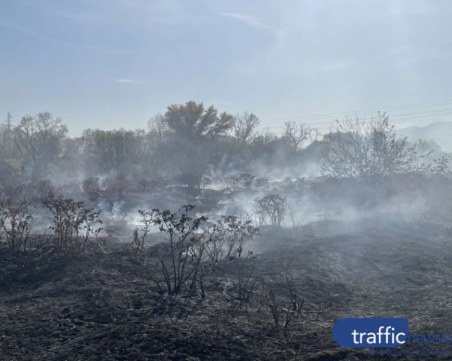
192 120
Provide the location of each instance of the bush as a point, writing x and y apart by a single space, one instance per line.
15 223
72 223
180 261
225 239
359 148
272 207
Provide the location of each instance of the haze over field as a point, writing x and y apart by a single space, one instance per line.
440 132
206 180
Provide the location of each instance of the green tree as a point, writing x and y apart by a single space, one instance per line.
192 120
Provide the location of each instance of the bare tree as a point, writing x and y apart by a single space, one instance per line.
38 140
296 134
360 148
245 126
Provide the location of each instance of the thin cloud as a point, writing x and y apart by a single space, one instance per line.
247 19
129 81
332 66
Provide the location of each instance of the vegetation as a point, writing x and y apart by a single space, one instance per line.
204 277
196 140
15 223
72 224
362 149
38 141
271 207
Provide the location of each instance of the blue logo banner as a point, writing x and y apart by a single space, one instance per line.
371 332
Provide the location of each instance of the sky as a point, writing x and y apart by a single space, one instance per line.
116 63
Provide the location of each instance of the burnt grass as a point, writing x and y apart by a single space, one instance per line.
104 305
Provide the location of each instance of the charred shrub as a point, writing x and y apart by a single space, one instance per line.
271 207
180 260
72 223
224 239
15 223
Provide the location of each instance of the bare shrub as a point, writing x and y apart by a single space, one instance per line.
15 223
271 207
224 239
245 280
148 219
72 224
180 260
289 310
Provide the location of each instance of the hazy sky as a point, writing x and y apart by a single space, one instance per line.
116 63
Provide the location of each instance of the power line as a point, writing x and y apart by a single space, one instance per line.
445 109
393 107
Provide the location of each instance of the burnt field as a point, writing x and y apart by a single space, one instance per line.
188 242
225 180
103 304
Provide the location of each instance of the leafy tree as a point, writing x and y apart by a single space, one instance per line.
192 120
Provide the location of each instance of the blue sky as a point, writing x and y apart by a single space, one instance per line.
116 63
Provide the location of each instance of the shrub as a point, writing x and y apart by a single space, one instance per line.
225 239
15 223
72 224
272 207
180 261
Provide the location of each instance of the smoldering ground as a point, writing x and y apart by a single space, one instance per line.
300 249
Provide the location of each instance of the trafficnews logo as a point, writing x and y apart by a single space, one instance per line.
371 332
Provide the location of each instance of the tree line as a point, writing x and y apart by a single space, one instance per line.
191 138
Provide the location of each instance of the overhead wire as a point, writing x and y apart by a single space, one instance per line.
402 112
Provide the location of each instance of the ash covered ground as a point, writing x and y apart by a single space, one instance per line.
102 304
186 242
